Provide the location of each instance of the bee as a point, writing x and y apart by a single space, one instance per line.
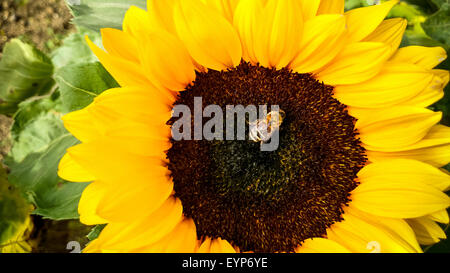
261 130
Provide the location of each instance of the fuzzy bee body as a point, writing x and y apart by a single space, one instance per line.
262 130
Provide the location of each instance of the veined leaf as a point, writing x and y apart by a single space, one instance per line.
80 84
97 14
439 3
24 72
36 124
37 177
437 25
95 232
39 142
75 49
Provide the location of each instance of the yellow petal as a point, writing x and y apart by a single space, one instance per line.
360 236
124 72
437 136
142 104
392 128
136 20
224 7
210 39
246 22
183 239
138 234
433 149
93 247
205 247
79 123
123 203
309 8
167 61
440 216
70 170
120 44
278 33
432 93
321 245
437 156
389 32
443 74
141 139
407 170
331 7
87 207
397 228
323 38
161 14
138 184
427 231
221 246
98 158
394 197
427 57
396 83
104 120
356 63
363 21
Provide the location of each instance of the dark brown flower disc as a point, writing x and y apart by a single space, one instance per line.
268 201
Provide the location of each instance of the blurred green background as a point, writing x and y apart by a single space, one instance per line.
44 65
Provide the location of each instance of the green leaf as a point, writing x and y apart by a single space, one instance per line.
354 4
420 39
437 26
95 232
410 12
14 218
39 142
36 124
97 14
37 177
24 72
427 6
439 3
80 84
75 49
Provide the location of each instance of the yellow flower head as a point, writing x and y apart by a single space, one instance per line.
357 168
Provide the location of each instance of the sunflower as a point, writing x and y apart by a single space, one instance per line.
358 164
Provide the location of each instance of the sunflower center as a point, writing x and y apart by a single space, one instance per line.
268 201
